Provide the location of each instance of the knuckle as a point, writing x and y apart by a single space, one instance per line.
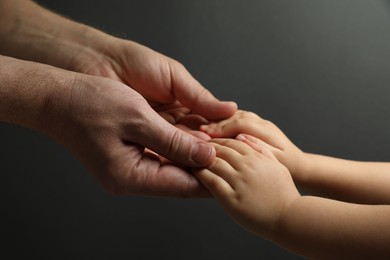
203 92
238 122
251 115
268 123
175 142
241 113
177 64
179 145
252 125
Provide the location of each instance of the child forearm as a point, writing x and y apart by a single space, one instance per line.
322 228
352 181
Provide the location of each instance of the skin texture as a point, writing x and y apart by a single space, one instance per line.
252 186
260 195
127 112
346 180
267 133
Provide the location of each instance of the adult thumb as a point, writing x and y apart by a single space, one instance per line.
175 144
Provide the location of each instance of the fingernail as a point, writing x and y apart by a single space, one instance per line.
240 137
202 153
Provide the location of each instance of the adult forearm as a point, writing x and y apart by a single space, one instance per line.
27 91
352 181
31 32
327 229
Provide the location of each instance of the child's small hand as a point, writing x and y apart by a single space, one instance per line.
243 125
253 187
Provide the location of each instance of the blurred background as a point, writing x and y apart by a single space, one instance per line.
318 69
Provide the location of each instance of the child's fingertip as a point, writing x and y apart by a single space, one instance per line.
208 128
204 128
240 137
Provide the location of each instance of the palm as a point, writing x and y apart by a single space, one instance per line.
179 99
159 79
150 74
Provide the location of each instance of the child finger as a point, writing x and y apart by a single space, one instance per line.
231 147
267 152
258 145
241 122
255 143
220 129
218 187
227 152
224 170
229 127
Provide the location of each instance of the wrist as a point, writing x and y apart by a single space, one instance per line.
303 167
73 47
281 226
94 54
28 92
43 36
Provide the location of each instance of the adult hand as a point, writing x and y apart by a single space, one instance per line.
160 79
31 32
104 123
107 125
163 82
171 92
163 88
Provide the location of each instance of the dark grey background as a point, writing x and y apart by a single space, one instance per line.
318 69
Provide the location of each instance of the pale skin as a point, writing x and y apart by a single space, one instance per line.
259 192
118 106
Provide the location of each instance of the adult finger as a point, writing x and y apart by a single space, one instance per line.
147 175
169 141
195 133
223 129
193 95
192 121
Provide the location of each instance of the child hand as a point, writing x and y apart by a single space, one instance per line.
243 125
253 187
